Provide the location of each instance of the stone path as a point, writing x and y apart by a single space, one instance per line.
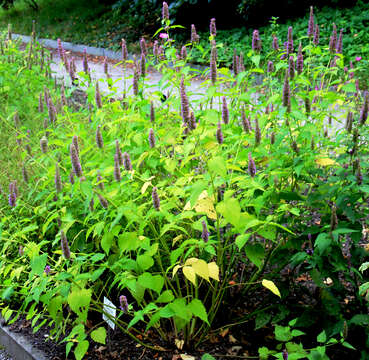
4 355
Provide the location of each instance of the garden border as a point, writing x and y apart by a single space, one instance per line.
17 345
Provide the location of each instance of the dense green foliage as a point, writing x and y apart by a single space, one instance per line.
189 210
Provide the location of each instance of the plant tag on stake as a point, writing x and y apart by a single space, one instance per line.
109 308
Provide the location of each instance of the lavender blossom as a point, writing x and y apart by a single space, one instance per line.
152 138
99 138
184 53
100 181
251 166
192 121
300 61
103 202
127 161
310 32
43 145
257 132
213 65
316 35
135 81
270 66
245 122
165 11
57 179
98 96
62 95
124 52
12 199
64 245
339 43
225 111
76 165
333 39
71 178
123 303
219 134
40 104
213 29
47 269
143 65
25 174
205 232
185 108
143 46
152 112
275 43
289 41
118 151
256 42
364 109
286 93
75 143
117 174
155 198
194 37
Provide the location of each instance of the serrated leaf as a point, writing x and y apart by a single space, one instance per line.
271 286
99 335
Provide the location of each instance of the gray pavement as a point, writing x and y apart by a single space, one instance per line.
3 354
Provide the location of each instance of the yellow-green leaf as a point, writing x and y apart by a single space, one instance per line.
271 286
325 162
99 335
213 271
201 269
190 274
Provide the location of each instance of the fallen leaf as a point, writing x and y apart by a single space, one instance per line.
187 357
232 339
179 343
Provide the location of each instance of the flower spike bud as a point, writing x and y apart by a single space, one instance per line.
251 166
311 23
257 132
194 37
43 144
64 245
219 134
117 174
76 165
99 138
165 11
123 304
155 198
205 232
127 161
225 111
152 140
57 179
316 35
256 42
98 96
213 29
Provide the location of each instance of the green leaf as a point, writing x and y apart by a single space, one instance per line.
231 210
217 166
99 335
262 319
347 345
207 357
165 297
79 302
107 241
322 337
180 309
255 253
38 264
360 319
241 240
263 353
322 242
152 282
198 309
283 333
145 261
81 349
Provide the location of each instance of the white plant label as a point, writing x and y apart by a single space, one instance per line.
109 308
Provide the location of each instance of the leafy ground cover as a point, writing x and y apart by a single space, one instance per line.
240 214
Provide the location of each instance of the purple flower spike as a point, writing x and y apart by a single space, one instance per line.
64 245
251 166
339 43
152 138
155 198
47 269
205 232
213 29
311 23
194 37
12 199
285 355
333 40
270 66
103 202
76 165
165 11
364 109
124 51
275 44
185 108
100 181
143 65
256 42
300 61
119 152
99 138
98 96
257 132
57 179
152 112
245 122
219 134
290 41
123 303
127 161
184 53
143 46
225 111
135 81
286 93
316 35
117 175
213 65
